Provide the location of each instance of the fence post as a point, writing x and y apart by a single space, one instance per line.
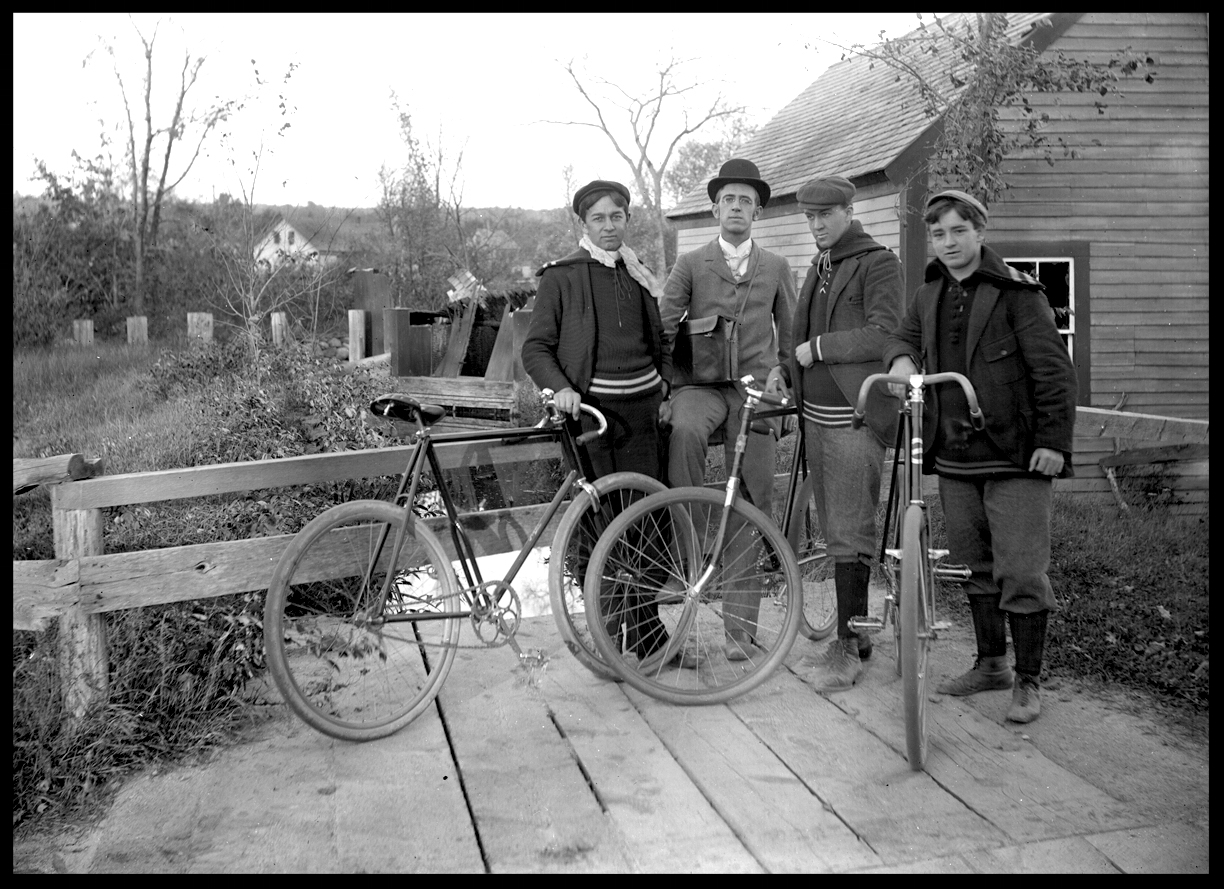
200 327
357 328
280 329
138 330
82 637
82 332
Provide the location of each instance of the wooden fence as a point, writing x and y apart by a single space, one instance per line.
83 582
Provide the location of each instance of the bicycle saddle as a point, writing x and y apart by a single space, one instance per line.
406 408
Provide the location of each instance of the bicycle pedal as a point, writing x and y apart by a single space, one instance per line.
865 624
533 658
937 553
953 572
941 625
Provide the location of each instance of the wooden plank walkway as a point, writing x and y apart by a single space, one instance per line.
553 770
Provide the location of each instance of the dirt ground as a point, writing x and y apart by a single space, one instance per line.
1135 748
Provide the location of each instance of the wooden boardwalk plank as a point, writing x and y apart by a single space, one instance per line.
666 822
780 820
533 808
902 815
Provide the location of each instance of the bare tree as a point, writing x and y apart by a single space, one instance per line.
640 139
150 144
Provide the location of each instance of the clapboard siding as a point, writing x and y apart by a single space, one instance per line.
1138 192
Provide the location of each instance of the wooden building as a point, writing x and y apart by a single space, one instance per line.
1119 234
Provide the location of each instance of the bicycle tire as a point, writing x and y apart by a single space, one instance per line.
819 617
583 521
342 666
917 588
653 552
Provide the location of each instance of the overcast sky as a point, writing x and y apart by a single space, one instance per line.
475 83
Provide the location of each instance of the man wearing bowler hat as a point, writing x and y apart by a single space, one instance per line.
850 302
754 289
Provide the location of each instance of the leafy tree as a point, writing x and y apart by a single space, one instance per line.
970 72
655 124
697 162
423 225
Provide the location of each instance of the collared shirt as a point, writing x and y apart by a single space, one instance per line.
736 257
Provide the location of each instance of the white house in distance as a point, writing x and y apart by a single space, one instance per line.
315 235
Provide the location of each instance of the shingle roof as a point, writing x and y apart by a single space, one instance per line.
855 119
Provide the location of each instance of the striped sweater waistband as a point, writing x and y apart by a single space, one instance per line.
620 387
837 416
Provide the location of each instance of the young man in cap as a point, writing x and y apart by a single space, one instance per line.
979 317
850 301
733 277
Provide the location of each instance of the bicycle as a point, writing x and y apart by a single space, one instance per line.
908 559
364 610
723 580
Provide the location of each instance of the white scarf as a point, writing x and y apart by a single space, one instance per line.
633 265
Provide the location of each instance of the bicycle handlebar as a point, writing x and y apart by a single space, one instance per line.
762 395
546 395
918 381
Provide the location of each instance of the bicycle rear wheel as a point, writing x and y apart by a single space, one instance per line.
917 610
349 662
583 522
815 566
667 638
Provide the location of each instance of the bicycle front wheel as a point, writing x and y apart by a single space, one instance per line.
584 521
680 621
815 566
917 610
355 656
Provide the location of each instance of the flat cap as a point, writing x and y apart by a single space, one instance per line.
828 191
598 185
960 196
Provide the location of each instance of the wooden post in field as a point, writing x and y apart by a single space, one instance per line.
82 332
357 343
138 330
280 329
82 637
199 327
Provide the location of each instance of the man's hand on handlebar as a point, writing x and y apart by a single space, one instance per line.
775 383
568 402
901 367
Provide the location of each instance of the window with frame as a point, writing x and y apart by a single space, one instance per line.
1062 268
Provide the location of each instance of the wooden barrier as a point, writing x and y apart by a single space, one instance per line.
83 582
138 330
200 327
280 329
357 335
83 332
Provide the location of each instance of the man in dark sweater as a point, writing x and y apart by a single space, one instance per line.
850 301
977 316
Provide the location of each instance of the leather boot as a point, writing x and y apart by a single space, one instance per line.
851 580
988 674
840 667
1026 699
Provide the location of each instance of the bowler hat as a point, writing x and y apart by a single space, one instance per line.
598 185
828 191
960 196
739 170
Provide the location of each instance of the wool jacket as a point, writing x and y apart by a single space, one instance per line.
1018 364
702 285
560 348
865 302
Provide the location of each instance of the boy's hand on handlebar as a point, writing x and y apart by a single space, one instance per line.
568 402
1046 461
901 367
